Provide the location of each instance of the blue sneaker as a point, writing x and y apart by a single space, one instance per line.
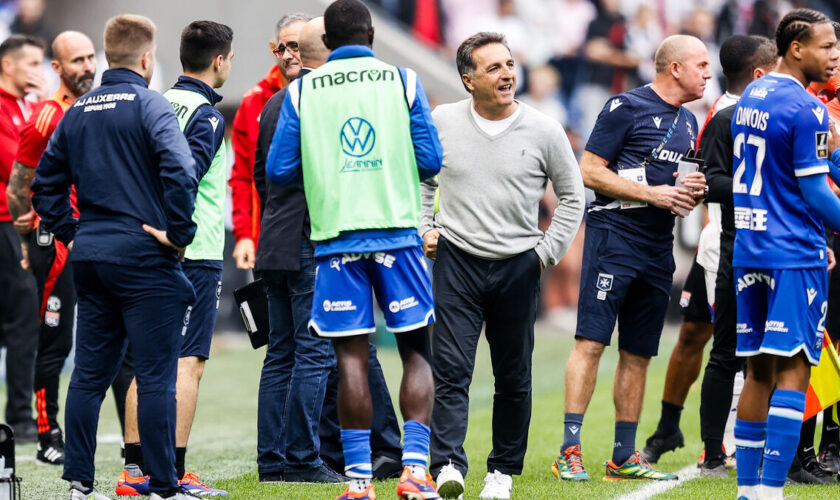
191 484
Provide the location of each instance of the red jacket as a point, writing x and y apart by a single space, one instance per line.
246 126
13 115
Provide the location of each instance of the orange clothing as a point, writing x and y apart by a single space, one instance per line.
246 126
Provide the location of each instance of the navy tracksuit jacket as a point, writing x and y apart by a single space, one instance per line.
121 146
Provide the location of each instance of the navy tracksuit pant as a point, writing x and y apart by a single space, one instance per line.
149 307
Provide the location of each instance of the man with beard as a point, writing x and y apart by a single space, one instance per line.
74 61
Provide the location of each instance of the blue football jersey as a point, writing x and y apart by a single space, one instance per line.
780 132
630 127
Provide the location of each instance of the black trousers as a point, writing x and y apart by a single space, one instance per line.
503 294
719 377
384 429
18 326
57 299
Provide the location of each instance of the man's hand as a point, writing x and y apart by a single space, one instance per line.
430 241
162 239
832 260
696 183
25 223
24 251
36 83
671 198
244 253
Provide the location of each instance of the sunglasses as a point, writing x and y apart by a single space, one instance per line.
281 49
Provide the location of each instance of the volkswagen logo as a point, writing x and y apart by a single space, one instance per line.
357 137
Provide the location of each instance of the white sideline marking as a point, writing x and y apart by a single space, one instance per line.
109 438
654 488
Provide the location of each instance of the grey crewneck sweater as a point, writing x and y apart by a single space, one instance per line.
491 187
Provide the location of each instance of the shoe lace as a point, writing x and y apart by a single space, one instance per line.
573 459
192 478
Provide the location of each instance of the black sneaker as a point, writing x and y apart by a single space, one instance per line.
810 472
659 444
320 474
50 448
25 432
829 459
713 467
386 468
272 477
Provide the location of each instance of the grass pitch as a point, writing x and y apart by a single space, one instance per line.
222 447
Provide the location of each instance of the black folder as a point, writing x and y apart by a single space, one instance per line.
253 306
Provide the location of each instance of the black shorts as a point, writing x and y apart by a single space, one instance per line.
694 301
198 331
625 280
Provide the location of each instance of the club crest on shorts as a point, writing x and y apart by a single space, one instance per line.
604 285
685 298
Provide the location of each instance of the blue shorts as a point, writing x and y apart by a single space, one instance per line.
342 305
198 332
781 311
625 280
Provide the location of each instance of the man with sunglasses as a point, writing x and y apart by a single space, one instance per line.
246 126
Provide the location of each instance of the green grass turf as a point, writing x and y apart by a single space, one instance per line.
223 442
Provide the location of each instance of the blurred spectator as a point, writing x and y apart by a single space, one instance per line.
701 23
502 18
30 21
544 93
569 22
644 33
423 17
610 61
460 18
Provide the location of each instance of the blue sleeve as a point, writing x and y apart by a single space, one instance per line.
51 188
810 141
205 134
834 166
819 197
614 124
176 168
428 151
284 165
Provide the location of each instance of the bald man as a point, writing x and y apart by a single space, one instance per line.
74 61
631 162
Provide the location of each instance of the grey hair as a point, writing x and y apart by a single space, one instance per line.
291 18
464 58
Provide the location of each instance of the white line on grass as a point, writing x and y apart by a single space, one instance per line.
654 488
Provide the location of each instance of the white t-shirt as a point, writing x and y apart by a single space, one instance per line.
494 127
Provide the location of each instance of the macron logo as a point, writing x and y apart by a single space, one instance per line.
657 120
574 429
214 121
614 104
819 112
812 294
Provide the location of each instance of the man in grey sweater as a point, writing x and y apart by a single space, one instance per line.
499 155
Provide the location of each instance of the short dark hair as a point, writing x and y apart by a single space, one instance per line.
17 42
464 58
202 42
766 53
347 22
796 26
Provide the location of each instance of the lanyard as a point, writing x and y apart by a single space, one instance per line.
654 154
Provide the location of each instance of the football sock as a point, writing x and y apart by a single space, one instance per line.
831 431
748 492
356 445
749 445
784 421
572 424
806 438
180 459
625 442
415 454
134 455
771 492
669 421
